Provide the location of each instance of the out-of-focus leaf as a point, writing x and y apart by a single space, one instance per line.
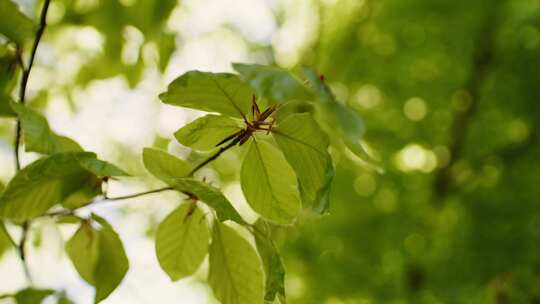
210 196
5 239
167 44
5 108
272 83
305 146
46 182
236 275
63 299
182 241
32 295
334 115
273 266
269 183
68 219
205 132
98 257
14 24
8 71
211 92
164 166
38 136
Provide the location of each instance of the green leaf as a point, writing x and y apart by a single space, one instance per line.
6 242
269 183
100 168
273 83
210 196
38 136
336 116
14 24
83 250
182 241
63 299
305 147
32 296
9 66
273 265
5 108
211 92
99 257
167 46
236 275
205 132
46 182
164 166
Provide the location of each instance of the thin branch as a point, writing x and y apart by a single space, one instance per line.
22 100
22 251
124 197
26 75
213 157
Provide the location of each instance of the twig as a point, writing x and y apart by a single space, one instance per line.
26 75
213 157
22 100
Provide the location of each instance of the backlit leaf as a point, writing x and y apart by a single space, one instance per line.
32 295
38 136
211 92
5 239
236 275
205 132
269 183
164 166
272 83
14 24
210 196
182 241
305 146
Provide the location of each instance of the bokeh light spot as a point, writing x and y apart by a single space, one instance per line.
415 109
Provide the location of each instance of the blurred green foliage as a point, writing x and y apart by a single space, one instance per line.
449 93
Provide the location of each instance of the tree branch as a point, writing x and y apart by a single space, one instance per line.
22 100
482 63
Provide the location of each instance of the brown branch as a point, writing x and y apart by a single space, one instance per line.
22 100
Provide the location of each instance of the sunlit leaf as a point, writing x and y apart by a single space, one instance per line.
211 92
182 241
32 295
165 166
38 136
98 256
272 83
273 266
236 275
305 146
205 132
46 182
14 24
210 196
269 183
98 167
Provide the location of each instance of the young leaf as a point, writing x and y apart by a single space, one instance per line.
273 83
305 147
211 196
211 92
38 136
205 132
236 275
14 24
273 266
46 182
32 295
182 241
269 183
99 257
164 166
